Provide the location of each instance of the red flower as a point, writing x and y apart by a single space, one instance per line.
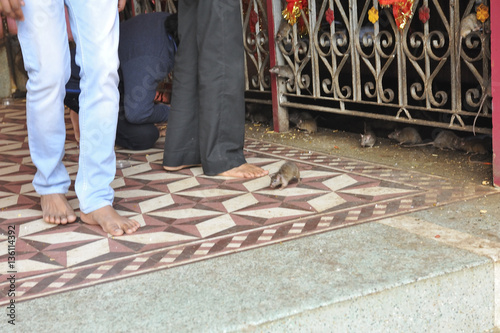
424 14
329 16
254 18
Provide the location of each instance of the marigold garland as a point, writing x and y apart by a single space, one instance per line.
292 10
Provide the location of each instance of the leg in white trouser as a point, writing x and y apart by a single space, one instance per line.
44 43
95 28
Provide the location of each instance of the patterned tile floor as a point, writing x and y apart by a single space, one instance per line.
186 216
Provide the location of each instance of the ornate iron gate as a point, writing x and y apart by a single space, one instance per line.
351 57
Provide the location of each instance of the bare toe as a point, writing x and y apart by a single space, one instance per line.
245 171
110 221
56 209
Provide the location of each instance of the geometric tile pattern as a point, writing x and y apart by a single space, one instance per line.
186 216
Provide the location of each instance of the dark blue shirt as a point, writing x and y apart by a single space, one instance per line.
146 55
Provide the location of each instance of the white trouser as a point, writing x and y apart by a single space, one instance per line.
44 43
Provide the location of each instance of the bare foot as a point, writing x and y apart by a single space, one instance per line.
56 209
180 167
76 124
110 221
245 171
162 129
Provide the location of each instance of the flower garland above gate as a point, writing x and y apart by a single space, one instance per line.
292 11
401 9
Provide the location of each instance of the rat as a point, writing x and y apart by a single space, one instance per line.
259 118
283 30
257 113
469 24
368 139
407 135
308 125
296 116
444 140
472 146
287 172
284 72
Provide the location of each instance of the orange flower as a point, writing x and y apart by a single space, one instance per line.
373 15
482 13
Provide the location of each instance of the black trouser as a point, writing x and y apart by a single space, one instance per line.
207 120
135 136
128 135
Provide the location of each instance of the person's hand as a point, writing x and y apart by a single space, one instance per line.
121 5
12 8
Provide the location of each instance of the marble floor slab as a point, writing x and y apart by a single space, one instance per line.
187 217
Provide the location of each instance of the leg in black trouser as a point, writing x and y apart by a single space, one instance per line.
71 101
207 119
135 136
128 135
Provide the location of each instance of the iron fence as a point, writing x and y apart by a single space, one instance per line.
433 72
